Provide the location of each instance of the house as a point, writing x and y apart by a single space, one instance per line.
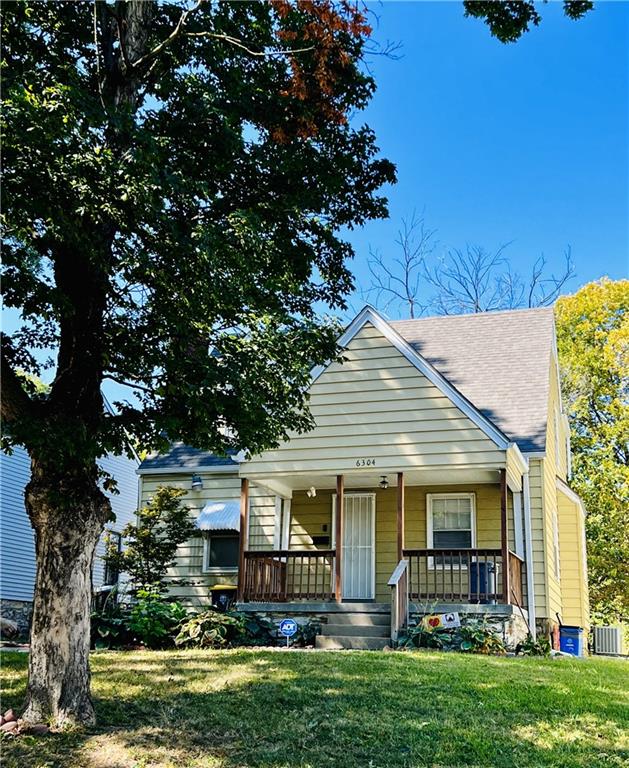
436 479
17 543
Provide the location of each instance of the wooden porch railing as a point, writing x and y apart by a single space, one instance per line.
283 574
460 575
399 599
515 577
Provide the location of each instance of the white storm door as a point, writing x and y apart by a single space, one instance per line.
358 566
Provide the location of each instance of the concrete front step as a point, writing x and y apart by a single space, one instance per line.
360 619
356 630
340 642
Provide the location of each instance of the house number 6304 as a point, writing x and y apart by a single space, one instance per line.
365 462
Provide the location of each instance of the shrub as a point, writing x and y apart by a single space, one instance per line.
214 629
151 545
154 621
110 627
477 637
472 637
534 647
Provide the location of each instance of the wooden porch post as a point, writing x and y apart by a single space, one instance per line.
338 536
244 526
400 515
504 538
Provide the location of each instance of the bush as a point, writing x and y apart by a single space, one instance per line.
214 629
472 637
211 629
151 621
110 627
534 647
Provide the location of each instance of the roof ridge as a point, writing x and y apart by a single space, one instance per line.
491 313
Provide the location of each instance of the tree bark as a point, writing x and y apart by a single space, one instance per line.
68 514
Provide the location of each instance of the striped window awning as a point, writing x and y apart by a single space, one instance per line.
220 516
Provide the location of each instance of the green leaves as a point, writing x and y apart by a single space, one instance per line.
150 546
179 220
593 344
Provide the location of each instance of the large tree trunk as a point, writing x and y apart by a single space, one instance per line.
68 514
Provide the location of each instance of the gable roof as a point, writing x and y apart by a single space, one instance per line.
500 361
370 315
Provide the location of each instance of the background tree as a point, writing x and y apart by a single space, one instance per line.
151 544
459 281
396 280
593 344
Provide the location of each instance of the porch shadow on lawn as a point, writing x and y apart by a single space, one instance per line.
273 709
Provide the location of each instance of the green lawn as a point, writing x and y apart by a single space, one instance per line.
261 708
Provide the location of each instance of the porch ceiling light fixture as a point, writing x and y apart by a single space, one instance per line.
197 483
384 483
311 492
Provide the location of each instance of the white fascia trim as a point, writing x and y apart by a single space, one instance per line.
572 495
369 315
514 450
221 469
534 455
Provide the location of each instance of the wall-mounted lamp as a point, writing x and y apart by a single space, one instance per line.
311 492
384 483
197 483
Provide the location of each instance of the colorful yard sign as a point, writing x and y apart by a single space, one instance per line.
442 621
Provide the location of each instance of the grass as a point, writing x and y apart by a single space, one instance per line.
200 709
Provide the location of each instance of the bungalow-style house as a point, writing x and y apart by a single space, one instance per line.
435 480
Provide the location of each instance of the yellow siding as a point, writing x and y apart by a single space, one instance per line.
551 469
573 565
538 535
313 517
216 487
377 405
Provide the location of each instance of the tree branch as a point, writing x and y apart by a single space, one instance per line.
15 403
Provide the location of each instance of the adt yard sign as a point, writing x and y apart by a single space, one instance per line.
288 627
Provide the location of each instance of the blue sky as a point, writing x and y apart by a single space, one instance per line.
526 142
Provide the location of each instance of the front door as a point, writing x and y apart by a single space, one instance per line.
358 554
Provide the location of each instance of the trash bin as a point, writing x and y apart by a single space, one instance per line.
482 582
223 596
571 640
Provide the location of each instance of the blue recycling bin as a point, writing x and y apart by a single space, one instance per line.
482 582
571 640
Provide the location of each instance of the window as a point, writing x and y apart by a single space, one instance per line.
113 541
221 551
451 523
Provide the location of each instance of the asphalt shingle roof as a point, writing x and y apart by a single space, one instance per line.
181 456
500 361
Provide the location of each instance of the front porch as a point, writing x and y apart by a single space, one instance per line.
397 548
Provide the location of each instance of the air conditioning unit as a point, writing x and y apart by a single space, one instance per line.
608 641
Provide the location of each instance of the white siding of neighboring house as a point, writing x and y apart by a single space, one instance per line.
17 546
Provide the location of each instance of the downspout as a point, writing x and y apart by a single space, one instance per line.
528 545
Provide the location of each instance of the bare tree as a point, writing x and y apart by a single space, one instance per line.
398 281
476 280
460 281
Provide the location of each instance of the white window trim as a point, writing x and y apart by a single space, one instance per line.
206 554
430 497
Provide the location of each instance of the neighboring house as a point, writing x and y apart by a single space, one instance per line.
440 461
17 545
